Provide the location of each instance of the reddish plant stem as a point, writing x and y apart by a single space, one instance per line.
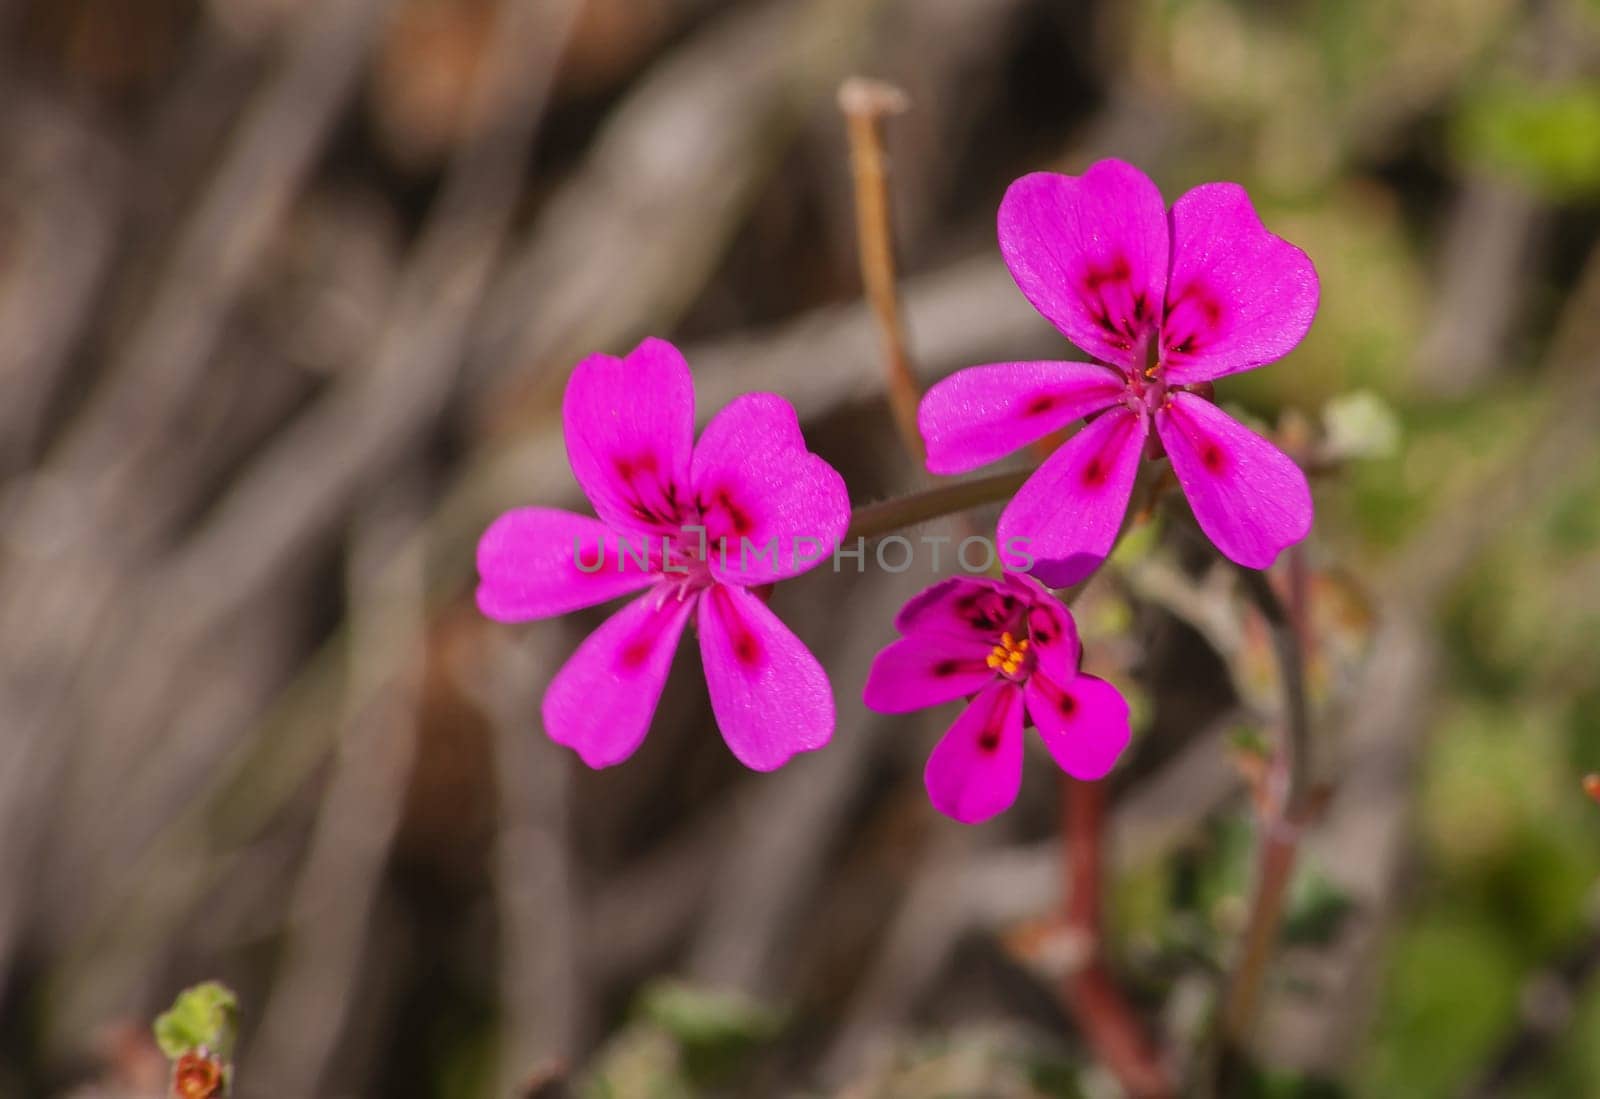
1108 1022
1274 870
1083 816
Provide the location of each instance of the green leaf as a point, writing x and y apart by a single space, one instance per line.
202 1017
1317 908
1249 740
1546 135
698 1016
639 1062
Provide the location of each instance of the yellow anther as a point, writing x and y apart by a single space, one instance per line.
1009 655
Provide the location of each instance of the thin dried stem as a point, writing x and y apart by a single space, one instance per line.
866 103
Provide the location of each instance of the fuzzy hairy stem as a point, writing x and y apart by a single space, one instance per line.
888 516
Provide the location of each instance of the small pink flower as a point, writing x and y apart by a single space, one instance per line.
686 510
1013 645
1167 301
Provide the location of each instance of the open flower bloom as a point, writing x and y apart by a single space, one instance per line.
1013 647
1166 301
696 526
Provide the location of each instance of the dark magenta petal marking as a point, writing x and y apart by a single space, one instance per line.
1193 316
1114 305
748 651
632 656
988 611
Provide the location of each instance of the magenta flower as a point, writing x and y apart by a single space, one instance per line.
1167 301
696 525
1013 646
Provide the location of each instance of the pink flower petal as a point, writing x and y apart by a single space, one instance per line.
629 427
1247 495
917 672
770 696
1238 296
1053 637
1084 724
1090 252
779 507
983 413
963 608
975 771
539 562
1068 513
601 701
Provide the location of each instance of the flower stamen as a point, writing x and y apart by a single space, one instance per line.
1009 656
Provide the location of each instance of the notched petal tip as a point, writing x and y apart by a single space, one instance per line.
1090 253
629 430
1239 295
656 353
1248 496
778 507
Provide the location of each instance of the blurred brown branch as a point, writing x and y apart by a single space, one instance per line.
288 291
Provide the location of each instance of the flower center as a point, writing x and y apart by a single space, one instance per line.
1150 344
1009 657
685 570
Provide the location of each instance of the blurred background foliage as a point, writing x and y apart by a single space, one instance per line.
288 291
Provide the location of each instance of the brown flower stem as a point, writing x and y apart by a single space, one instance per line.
888 516
866 103
1109 1024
